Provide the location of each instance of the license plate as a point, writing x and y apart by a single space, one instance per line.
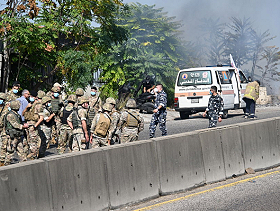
195 100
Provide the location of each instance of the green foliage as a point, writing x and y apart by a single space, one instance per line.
57 31
153 48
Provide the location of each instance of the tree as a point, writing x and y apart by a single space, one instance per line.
154 47
238 41
45 33
271 55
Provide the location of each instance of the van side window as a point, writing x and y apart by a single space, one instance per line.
224 77
242 77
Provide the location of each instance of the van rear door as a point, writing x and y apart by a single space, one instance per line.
227 91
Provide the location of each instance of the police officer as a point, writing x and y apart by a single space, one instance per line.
100 127
131 123
250 97
65 134
77 121
13 130
159 113
215 107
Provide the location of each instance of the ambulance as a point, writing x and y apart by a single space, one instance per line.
193 85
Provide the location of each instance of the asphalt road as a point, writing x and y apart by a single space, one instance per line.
258 191
175 125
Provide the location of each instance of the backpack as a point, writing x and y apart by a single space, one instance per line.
103 125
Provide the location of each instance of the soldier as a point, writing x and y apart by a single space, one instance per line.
46 126
79 93
56 106
77 122
65 135
114 133
101 125
160 113
32 116
40 95
94 105
13 130
13 93
131 123
215 107
3 112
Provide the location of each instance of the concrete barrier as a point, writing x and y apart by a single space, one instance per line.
180 162
232 150
132 172
24 186
78 181
260 144
212 155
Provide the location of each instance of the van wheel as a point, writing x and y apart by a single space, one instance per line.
184 115
225 114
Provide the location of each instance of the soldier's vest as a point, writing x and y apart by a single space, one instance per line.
10 130
133 119
30 114
102 126
55 105
65 115
76 121
90 116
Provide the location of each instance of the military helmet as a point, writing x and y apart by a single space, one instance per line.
55 89
57 85
79 91
107 107
40 94
82 100
46 99
2 96
131 103
15 105
71 98
111 100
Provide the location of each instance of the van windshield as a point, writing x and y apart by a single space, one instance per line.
191 78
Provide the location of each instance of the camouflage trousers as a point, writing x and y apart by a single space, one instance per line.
34 142
64 138
79 142
158 118
45 133
129 135
9 147
213 120
98 142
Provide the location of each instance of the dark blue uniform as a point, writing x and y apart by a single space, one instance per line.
160 116
214 109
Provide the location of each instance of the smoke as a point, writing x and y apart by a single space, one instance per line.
264 15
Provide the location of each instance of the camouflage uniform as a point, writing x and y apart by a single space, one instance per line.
130 125
65 134
98 140
13 130
93 104
214 109
160 116
45 130
10 96
79 140
3 111
114 133
33 138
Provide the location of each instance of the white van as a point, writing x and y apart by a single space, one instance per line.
193 85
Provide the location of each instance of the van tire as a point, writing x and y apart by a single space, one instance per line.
184 115
225 114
